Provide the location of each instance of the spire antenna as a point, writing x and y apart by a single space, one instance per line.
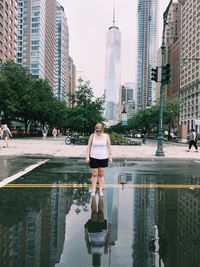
114 14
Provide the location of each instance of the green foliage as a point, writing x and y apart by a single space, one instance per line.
149 117
21 96
118 128
87 110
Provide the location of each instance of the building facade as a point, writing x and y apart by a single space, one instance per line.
50 41
147 51
61 55
31 36
43 43
72 78
128 97
190 69
173 49
113 74
8 30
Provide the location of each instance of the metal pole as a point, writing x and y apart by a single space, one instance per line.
159 151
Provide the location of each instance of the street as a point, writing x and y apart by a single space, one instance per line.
150 207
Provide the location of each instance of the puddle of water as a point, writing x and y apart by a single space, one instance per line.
62 226
10 166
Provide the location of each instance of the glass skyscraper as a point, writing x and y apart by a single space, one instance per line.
31 36
147 51
113 73
61 55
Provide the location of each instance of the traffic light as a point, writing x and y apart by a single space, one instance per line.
154 74
166 74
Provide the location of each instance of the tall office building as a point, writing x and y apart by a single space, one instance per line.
190 69
31 36
128 92
8 30
173 35
61 55
36 37
113 73
50 41
147 51
72 78
172 52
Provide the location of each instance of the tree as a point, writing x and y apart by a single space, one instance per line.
149 117
87 110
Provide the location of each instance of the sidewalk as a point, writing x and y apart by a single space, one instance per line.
57 148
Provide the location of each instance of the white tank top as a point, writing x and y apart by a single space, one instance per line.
99 148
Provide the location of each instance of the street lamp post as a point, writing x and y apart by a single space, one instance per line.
159 151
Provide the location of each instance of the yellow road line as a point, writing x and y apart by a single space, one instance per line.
191 186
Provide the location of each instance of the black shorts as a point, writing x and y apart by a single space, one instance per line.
98 163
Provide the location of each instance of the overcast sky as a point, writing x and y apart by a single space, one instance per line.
88 22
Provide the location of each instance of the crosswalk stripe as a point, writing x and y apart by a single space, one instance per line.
8 180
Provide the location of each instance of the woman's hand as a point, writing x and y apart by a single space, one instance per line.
87 159
110 159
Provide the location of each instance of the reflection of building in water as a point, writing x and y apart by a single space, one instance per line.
167 226
188 228
58 212
143 227
179 231
112 204
33 238
21 242
37 238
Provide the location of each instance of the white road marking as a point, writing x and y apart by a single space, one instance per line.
19 174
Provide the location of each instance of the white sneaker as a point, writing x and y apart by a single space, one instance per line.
101 193
93 193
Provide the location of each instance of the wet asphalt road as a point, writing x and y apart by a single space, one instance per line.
150 208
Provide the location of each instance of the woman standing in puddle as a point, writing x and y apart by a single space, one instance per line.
98 155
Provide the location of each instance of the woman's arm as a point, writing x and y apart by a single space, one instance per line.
89 148
109 149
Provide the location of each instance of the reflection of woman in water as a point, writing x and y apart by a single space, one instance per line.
98 154
97 232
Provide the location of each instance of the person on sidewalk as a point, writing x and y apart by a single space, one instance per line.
6 134
98 155
192 140
54 133
44 132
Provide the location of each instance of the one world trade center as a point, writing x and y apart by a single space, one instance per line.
113 74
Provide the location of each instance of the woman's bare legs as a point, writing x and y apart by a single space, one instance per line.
101 180
6 141
94 180
93 209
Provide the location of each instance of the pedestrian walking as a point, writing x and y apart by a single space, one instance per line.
44 132
58 133
98 155
54 133
143 135
6 134
193 140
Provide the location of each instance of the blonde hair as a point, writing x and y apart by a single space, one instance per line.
99 125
